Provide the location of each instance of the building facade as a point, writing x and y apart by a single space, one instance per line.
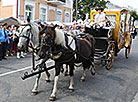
46 10
110 6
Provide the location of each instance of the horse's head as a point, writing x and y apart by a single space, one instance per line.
28 34
24 36
47 41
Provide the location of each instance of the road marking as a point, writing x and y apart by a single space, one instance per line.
18 70
135 98
11 72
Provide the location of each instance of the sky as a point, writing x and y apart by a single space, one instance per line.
125 3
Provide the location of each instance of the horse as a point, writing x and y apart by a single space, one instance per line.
29 33
66 49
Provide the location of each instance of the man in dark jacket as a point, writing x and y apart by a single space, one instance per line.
3 40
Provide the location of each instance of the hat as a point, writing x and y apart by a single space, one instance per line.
4 24
99 8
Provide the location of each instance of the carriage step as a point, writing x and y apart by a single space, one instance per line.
99 56
102 38
99 50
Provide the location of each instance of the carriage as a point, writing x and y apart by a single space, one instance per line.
114 37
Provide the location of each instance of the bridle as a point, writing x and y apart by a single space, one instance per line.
27 37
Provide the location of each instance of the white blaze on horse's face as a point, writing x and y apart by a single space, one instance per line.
24 36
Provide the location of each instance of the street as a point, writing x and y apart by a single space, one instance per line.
119 84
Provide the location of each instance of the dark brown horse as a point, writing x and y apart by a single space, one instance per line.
66 49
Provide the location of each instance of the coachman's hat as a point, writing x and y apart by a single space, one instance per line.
99 8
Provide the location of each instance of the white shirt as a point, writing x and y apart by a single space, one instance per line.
100 17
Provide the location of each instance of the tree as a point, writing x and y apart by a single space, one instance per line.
134 15
84 7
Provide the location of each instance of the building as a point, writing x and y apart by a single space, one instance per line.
46 10
110 6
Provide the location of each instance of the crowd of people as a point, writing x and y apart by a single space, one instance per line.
9 37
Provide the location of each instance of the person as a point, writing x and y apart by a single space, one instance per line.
134 32
9 46
3 41
20 53
100 17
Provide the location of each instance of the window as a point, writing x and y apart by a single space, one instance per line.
59 16
43 14
67 18
29 12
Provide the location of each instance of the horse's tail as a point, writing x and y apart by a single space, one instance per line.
92 41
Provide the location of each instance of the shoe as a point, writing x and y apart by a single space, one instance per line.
22 56
0 59
4 58
7 55
18 55
11 54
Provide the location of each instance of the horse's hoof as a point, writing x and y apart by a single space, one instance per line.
92 71
34 93
82 80
52 98
65 74
71 90
48 81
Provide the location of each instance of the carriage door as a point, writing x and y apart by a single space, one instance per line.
122 30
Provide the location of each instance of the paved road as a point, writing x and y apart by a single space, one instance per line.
120 84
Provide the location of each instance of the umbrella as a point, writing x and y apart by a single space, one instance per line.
9 21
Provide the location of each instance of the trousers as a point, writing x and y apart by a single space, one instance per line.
3 49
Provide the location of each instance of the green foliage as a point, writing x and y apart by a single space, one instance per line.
134 14
84 6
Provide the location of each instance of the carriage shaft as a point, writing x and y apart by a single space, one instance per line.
37 72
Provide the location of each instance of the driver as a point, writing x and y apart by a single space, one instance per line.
100 17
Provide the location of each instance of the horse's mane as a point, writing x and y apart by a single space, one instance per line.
60 37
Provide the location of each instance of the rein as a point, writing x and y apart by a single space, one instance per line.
65 50
28 37
75 51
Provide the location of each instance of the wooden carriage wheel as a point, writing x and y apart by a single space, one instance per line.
110 56
127 50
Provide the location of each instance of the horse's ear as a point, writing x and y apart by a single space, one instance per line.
28 19
42 31
55 26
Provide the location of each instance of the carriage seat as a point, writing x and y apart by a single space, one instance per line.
102 32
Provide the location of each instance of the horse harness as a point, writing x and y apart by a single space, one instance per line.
62 50
28 37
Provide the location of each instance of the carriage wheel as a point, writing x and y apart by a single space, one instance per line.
127 50
110 56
